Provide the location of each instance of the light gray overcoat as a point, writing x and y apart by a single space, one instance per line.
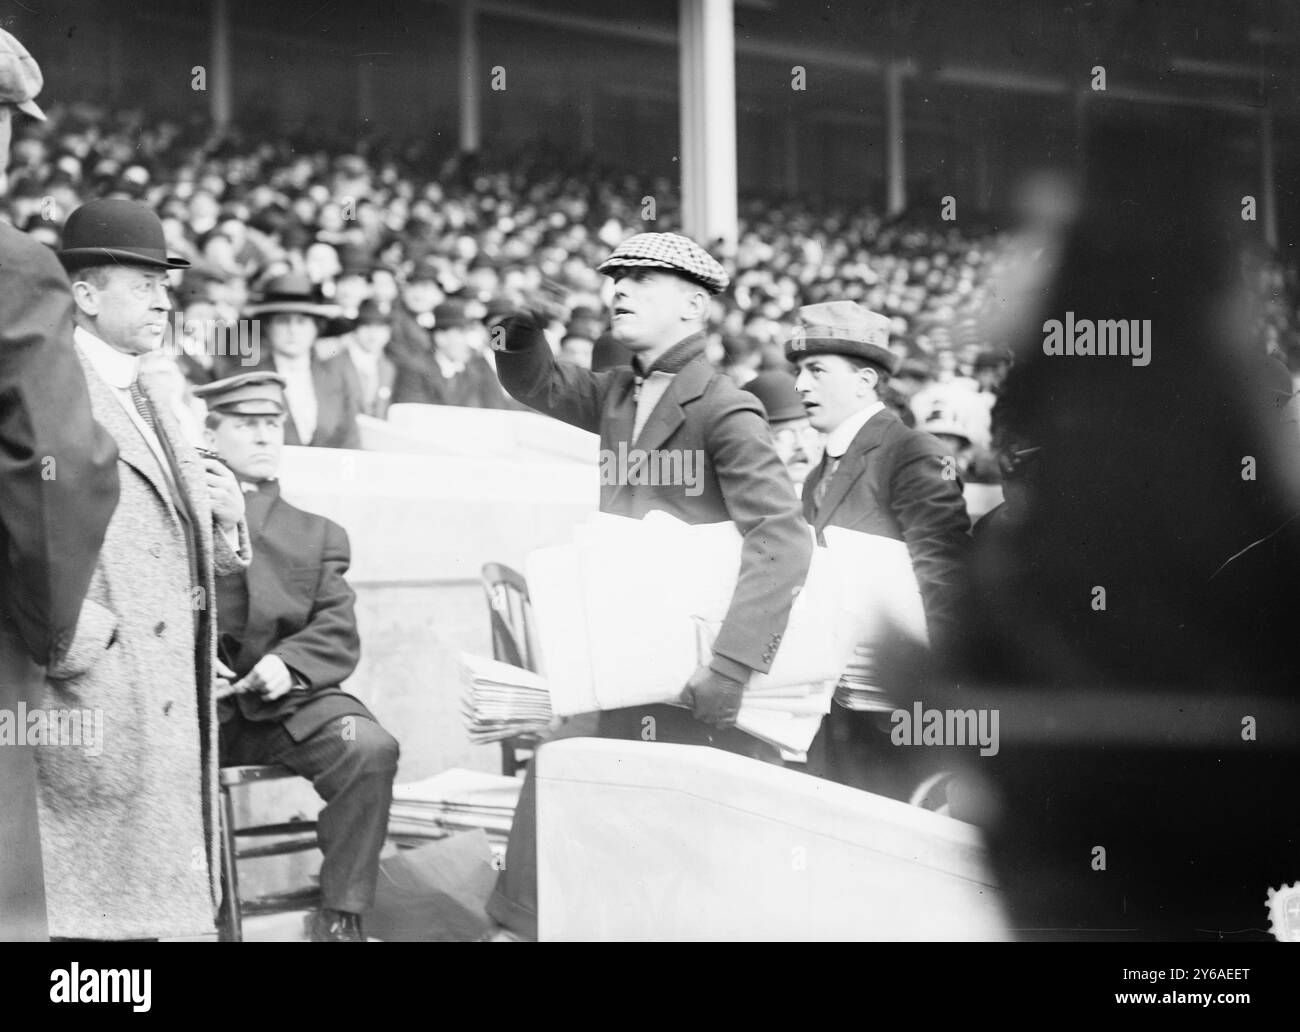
130 835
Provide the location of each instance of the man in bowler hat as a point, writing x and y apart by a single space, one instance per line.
289 634
130 831
58 489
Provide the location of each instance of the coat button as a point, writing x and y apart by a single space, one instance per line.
167 708
160 626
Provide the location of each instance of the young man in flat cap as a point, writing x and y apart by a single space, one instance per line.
130 830
58 489
878 477
289 636
671 398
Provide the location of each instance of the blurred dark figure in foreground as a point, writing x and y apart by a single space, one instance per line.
1134 619
58 489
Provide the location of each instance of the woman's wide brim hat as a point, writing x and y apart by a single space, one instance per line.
291 294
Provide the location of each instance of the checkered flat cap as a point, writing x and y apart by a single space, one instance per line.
672 252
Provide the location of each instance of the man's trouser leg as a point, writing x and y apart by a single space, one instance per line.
351 761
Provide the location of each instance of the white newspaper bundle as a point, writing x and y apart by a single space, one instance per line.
500 701
626 613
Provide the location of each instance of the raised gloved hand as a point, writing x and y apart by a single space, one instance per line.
713 697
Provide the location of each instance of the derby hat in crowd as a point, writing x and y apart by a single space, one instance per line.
116 232
775 390
289 294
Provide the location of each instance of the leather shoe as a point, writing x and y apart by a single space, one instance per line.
336 926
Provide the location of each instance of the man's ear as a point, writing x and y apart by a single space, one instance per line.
86 297
697 304
870 377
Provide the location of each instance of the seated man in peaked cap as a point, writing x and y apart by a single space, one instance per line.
289 635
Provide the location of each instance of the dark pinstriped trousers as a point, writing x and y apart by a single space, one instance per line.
353 772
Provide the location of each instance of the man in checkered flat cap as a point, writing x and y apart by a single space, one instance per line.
670 399
58 489
878 477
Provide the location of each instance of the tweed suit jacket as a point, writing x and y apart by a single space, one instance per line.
129 830
742 478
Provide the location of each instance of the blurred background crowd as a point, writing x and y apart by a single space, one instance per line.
403 260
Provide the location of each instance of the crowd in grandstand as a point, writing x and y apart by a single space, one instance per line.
399 262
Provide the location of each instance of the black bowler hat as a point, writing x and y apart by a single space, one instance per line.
775 389
116 232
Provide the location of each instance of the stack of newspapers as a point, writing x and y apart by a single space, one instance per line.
501 701
626 612
455 800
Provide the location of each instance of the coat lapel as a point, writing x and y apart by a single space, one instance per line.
131 446
851 467
669 414
616 427
193 483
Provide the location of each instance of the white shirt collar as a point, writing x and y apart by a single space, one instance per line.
839 439
114 367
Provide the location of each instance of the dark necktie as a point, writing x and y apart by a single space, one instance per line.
142 405
829 465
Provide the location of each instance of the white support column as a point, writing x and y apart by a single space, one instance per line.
471 127
219 93
708 116
895 132
1268 177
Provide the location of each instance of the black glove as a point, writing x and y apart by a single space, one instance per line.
519 332
713 697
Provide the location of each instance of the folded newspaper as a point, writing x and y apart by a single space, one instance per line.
627 611
501 701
